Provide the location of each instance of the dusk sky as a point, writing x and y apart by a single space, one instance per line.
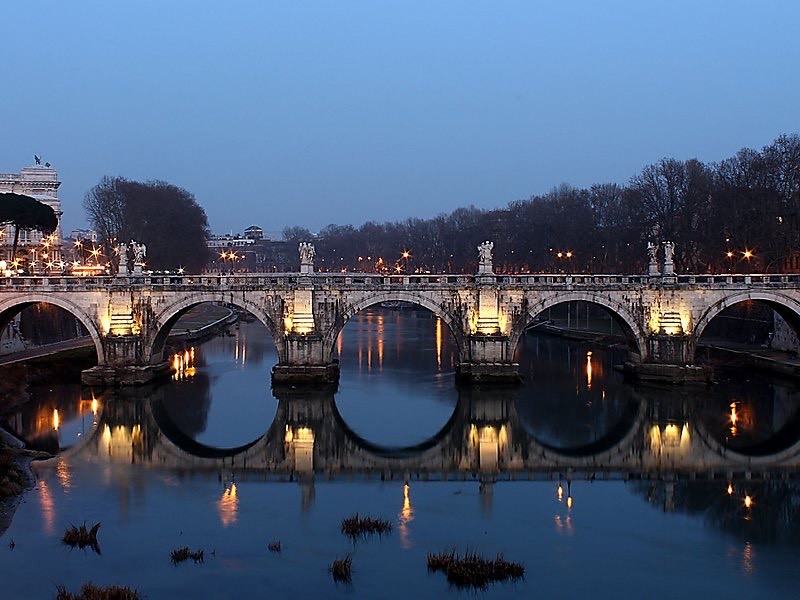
310 113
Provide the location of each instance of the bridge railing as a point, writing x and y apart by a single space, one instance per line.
378 280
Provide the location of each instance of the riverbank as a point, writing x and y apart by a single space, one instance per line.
16 476
716 353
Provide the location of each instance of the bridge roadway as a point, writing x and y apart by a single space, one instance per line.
129 317
664 440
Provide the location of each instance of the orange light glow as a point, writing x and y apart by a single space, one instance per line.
56 420
560 492
589 370
748 501
228 506
730 489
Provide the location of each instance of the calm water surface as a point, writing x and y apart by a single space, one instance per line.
598 487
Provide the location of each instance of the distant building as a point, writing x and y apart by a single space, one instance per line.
39 182
228 240
84 235
254 232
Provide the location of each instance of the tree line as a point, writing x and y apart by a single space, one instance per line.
713 212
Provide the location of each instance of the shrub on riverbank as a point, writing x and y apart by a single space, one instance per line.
473 570
12 479
341 569
356 526
82 537
89 591
181 554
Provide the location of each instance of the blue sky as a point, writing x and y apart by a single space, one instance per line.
309 113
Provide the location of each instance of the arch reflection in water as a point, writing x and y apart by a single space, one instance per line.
396 383
212 399
572 400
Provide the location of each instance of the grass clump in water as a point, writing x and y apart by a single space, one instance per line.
89 591
275 546
472 570
356 526
182 554
342 569
82 537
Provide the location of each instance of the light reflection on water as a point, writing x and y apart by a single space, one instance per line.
576 535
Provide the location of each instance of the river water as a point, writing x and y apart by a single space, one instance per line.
598 487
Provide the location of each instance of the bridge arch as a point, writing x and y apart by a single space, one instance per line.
419 299
9 308
637 342
787 307
163 322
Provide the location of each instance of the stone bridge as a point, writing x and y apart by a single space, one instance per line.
655 438
129 317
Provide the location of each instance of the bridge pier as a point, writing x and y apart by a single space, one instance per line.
488 360
669 361
123 364
305 362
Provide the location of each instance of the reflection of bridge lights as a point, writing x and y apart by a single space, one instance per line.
748 501
405 517
56 420
183 365
589 370
730 489
438 343
228 506
733 418
560 492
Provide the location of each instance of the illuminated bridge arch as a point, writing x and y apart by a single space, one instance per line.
166 319
633 331
11 307
788 308
433 304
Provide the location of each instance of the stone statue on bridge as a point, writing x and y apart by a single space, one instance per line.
122 250
485 258
652 265
307 254
669 265
139 254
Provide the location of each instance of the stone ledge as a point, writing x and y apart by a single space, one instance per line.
473 373
668 374
124 376
302 374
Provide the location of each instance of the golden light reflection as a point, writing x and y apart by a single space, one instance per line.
438 343
63 474
734 417
340 342
228 506
380 341
94 406
569 502
747 558
48 508
560 492
183 364
748 501
405 517
56 420
589 370
730 489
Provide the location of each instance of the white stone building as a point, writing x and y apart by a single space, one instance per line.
40 182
